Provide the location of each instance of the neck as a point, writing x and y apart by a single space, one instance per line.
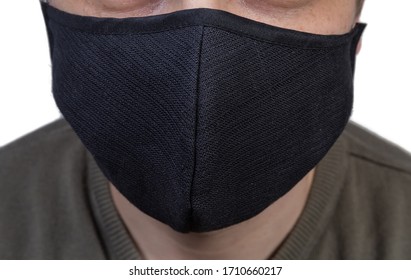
255 238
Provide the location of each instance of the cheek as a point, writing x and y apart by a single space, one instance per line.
314 16
124 5
110 8
70 6
278 4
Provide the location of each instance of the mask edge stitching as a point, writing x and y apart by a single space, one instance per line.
346 39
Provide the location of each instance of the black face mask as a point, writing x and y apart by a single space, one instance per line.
201 118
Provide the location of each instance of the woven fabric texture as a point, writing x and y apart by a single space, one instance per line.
198 124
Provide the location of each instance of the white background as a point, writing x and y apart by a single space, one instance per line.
383 76
290 270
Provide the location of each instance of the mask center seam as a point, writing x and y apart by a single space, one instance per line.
197 97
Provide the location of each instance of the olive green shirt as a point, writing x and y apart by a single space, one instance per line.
55 202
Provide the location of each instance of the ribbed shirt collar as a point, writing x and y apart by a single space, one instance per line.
327 185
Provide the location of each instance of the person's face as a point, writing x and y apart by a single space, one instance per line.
313 16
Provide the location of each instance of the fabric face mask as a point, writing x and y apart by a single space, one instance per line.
201 118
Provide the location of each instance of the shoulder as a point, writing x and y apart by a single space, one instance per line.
42 155
380 167
45 210
365 145
372 216
44 140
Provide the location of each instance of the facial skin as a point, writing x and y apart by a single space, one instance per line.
313 16
261 236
